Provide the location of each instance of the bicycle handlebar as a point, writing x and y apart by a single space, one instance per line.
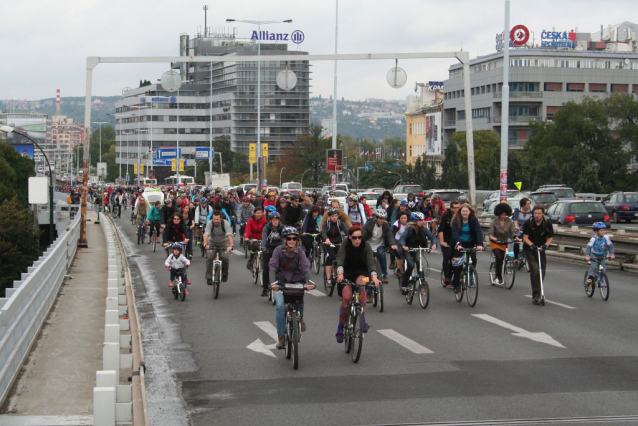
505 242
425 249
468 250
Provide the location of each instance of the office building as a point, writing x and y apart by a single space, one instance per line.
217 98
542 78
37 126
423 122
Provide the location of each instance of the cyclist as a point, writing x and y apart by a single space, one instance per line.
175 231
153 218
189 225
117 204
334 204
425 207
416 234
293 213
596 250
398 228
387 197
244 213
355 211
444 232
270 239
271 200
217 237
201 213
141 210
412 202
281 205
310 226
379 235
167 212
403 207
466 233
437 207
538 234
254 228
521 215
288 264
355 262
501 229
176 263
332 232
364 202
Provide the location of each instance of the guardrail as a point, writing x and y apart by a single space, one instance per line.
27 304
122 353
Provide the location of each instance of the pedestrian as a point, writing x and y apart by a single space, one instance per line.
538 234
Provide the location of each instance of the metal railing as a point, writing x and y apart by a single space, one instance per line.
27 304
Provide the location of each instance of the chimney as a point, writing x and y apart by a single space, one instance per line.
57 102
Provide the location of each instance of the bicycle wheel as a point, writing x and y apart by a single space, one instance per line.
472 286
509 274
347 336
492 273
375 297
202 248
316 260
409 296
139 236
424 293
426 266
182 290
589 289
381 291
443 279
245 252
154 244
175 293
143 236
271 297
295 341
255 271
603 285
357 336
459 296
216 295
288 336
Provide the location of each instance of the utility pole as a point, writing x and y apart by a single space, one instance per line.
505 104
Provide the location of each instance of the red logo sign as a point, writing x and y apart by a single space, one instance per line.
519 35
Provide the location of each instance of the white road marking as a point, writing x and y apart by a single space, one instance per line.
554 303
316 293
409 344
238 252
268 328
519 332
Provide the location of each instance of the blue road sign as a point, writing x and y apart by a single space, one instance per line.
168 153
203 153
157 162
367 166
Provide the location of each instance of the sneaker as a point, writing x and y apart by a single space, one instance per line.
188 282
224 278
264 293
170 284
190 257
384 279
303 325
186 291
498 282
536 301
209 282
590 281
339 337
404 290
448 285
393 265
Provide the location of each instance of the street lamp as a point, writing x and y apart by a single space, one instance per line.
259 24
9 129
400 177
300 180
280 172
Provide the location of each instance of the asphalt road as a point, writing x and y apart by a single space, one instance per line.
213 361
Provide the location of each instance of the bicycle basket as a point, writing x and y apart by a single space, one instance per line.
293 290
458 261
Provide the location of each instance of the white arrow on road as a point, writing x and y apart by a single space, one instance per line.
259 346
519 332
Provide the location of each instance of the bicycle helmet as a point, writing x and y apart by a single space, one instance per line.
418 216
270 209
463 199
178 246
404 202
289 230
305 211
271 193
458 261
502 208
168 201
354 198
599 225
381 214
333 211
203 200
246 200
274 215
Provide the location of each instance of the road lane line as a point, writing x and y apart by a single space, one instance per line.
238 252
554 303
409 344
268 328
316 293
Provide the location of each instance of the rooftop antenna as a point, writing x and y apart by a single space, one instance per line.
205 19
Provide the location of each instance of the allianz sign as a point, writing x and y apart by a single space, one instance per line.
296 36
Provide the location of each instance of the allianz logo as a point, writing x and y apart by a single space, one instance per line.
296 36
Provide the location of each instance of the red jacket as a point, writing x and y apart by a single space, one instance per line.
366 208
253 228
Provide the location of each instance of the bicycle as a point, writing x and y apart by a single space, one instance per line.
521 260
600 280
418 283
179 288
256 268
133 218
199 238
154 238
330 288
469 278
315 253
141 232
508 271
217 271
293 295
353 325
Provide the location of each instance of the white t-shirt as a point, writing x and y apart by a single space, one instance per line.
377 237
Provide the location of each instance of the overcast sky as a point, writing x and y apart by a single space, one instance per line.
50 39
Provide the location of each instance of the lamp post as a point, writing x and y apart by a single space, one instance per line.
260 172
300 180
100 124
400 177
9 129
280 172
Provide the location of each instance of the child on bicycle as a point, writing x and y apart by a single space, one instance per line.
596 250
176 263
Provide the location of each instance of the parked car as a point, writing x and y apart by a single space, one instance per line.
546 198
495 196
563 192
340 196
447 195
577 212
622 206
407 188
291 186
514 202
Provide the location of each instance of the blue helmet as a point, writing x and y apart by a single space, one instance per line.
203 200
178 246
404 202
274 215
270 209
599 225
418 216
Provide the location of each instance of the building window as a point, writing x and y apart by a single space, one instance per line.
410 129
620 88
634 88
575 87
551 110
472 91
597 87
553 87
460 115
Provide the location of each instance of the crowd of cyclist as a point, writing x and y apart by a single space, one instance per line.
286 227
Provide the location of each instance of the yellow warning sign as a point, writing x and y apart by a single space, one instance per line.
252 153
519 185
173 164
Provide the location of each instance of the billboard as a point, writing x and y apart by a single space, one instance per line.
334 160
433 134
24 149
35 128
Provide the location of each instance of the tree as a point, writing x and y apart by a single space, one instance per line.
16 170
310 152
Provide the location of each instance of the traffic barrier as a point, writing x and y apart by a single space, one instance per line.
113 402
28 302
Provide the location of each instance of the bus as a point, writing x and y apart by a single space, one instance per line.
183 180
145 182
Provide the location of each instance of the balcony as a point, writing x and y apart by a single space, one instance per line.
450 123
520 94
519 120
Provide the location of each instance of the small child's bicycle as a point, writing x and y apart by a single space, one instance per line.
179 287
600 280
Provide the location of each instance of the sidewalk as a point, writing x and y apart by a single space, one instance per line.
57 379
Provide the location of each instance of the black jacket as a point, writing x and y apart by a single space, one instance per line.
445 226
292 215
173 235
367 257
475 231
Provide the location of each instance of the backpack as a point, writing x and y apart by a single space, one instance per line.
223 226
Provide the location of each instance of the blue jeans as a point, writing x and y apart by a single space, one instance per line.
595 261
383 262
281 312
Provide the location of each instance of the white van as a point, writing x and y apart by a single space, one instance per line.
291 186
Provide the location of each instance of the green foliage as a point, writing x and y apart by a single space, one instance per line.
486 161
16 170
18 242
144 83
